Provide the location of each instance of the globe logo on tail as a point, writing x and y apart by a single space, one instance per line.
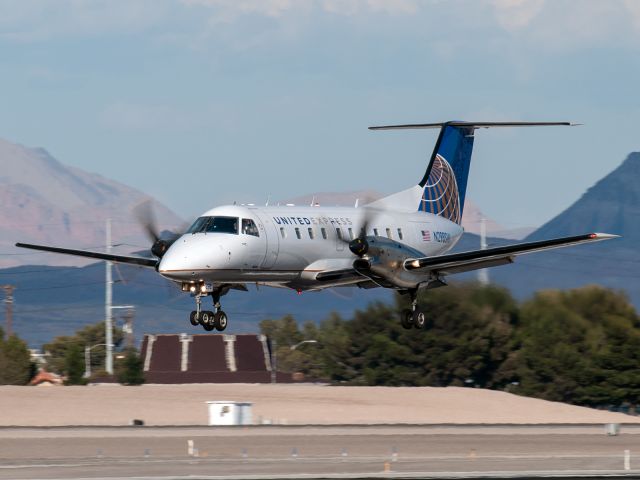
440 195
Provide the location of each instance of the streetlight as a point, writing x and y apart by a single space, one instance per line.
87 358
293 347
274 356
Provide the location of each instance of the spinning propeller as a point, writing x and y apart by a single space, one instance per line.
359 246
145 215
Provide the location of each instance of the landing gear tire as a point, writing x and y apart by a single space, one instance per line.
220 320
406 319
193 318
208 320
418 319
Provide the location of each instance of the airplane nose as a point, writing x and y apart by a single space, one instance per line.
174 259
191 255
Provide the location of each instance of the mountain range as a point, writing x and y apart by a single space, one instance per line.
44 201
612 205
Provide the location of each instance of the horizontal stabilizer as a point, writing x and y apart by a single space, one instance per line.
141 261
472 125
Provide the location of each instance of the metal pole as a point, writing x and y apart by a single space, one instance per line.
108 321
129 323
483 273
274 361
87 361
8 302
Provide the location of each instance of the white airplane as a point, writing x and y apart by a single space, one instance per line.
399 242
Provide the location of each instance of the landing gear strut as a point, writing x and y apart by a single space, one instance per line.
413 318
209 320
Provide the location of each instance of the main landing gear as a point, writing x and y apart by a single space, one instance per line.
209 320
413 318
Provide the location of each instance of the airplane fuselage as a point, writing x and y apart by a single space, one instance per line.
288 246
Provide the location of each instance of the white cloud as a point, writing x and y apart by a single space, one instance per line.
570 25
34 20
355 7
228 10
633 7
516 14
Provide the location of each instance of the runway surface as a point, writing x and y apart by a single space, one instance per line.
317 452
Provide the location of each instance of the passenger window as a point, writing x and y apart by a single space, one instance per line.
375 232
298 233
324 233
388 233
350 234
311 233
249 227
400 233
339 233
283 232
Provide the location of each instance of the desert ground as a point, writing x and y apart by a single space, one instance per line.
285 404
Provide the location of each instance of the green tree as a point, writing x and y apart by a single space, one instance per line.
468 336
87 336
15 362
283 333
74 365
130 370
580 346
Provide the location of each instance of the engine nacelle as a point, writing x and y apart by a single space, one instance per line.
385 261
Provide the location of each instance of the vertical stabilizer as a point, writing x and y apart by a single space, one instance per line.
444 184
443 187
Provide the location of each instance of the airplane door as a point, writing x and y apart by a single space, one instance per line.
268 229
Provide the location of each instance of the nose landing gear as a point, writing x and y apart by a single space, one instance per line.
209 320
415 317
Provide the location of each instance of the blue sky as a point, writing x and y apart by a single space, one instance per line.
204 102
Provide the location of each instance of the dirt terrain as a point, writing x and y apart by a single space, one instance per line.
284 404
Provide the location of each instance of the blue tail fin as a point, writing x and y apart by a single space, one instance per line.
445 181
443 188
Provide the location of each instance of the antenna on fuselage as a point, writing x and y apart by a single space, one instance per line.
313 201
268 200
357 201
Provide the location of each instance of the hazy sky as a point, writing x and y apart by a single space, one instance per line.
203 102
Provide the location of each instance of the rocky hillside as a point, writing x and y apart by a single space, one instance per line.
44 201
612 205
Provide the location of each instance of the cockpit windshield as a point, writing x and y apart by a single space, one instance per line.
215 225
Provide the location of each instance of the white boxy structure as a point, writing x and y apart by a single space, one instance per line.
230 413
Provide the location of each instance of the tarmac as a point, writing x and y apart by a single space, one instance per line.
356 451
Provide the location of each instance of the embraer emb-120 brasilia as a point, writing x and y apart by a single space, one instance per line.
399 241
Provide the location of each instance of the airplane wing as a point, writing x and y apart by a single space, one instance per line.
492 257
141 261
341 274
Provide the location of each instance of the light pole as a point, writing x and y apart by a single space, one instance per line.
274 356
108 298
274 360
87 358
293 347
